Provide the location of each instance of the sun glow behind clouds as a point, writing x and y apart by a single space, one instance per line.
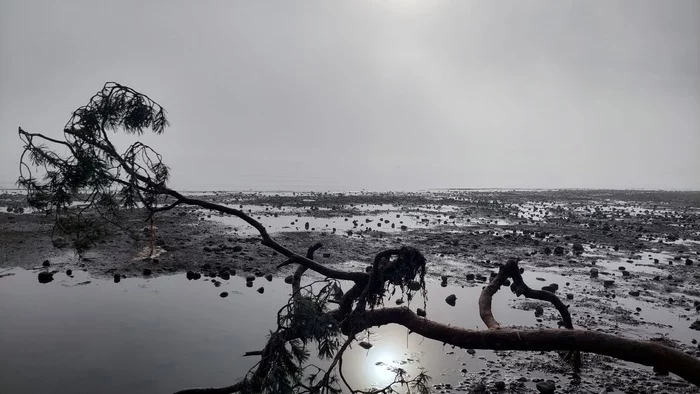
407 6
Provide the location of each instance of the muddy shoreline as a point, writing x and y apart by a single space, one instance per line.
646 243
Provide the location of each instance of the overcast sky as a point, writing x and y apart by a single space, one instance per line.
376 94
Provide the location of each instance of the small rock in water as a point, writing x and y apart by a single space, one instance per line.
634 293
237 248
569 296
249 284
223 294
559 251
45 277
46 263
399 301
626 273
69 272
500 385
695 325
147 271
420 312
268 277
594 272
608 282
289 279
261 290
688 262
451 299
471 351
470 276
117 278
365 345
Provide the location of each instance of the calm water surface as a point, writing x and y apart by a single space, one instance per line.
160 335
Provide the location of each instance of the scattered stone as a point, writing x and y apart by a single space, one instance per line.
546 387
688 262
470 276
621 268
420 312
147 271
261 290
268 277
594 272
695 325
223 294
46 263
608 282
626 273
365 345
578 248
117 278
326 255
69 272
569 296
45 277
451 299
634 293
559 251
237 248
547 250
539 311
289 279
500 385
549 288
471 351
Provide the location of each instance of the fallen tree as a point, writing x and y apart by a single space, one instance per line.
103 181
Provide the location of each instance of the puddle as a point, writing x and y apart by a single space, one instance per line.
87 334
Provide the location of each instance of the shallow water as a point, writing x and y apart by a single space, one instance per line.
159 335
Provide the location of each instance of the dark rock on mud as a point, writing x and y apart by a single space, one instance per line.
69 272
594 272
223 294
117 278
46 263
147 271
420 312
451 299
261 290
539 311
546 387
289 279
695 325
268 277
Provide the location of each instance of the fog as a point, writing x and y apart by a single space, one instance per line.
377 95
